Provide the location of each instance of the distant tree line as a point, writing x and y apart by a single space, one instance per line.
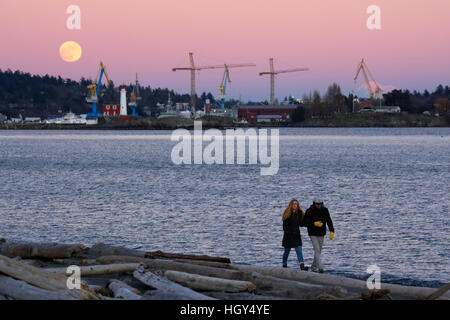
35 95
416 102
316 106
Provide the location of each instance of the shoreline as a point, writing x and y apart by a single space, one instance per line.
352 120
113 272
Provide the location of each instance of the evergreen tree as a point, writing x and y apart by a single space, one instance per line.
299 114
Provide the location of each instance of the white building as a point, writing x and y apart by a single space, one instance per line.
32 120
386 109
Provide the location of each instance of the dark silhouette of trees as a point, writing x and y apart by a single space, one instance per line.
442 106
34 95
334 97
416 102
299 114
316 97
401 98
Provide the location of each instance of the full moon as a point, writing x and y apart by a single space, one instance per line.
70 51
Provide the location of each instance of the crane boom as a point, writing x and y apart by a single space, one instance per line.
241 65
362 67
194 68
217 66
292 70
94 89
368 82
226 78
104 71
377 87
272 74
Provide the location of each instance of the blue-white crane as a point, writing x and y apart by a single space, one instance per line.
134 97
226 79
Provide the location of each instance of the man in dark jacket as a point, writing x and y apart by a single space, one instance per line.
315 219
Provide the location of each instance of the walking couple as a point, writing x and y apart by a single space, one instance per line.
314 219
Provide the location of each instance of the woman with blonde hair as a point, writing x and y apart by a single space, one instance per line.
292 220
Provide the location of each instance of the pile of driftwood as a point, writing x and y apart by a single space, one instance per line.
33 271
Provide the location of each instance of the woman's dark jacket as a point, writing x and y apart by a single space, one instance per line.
313 214
291 228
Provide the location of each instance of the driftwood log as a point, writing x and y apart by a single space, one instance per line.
206 263
74 261
95 270
167 287
242 296
376 294
101 249
327 296
20 290
99 290
438 293
123 291
265 285
204 283
163 295
28 250
160 254
42 278
31 262
162 264
274 282
268 285
328 279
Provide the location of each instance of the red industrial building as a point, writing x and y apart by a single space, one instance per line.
266 113
112 110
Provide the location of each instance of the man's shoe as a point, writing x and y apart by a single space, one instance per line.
284 265
302 267
320 270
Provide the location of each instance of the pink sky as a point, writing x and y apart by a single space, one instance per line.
150 37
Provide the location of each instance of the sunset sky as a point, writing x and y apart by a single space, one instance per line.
330 37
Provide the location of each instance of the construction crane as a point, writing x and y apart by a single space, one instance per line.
94 90
272 73
374 93
194 68
134 97
226 79
223 86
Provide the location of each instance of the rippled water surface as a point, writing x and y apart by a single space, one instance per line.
387 191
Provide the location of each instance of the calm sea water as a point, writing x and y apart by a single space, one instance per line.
387 191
